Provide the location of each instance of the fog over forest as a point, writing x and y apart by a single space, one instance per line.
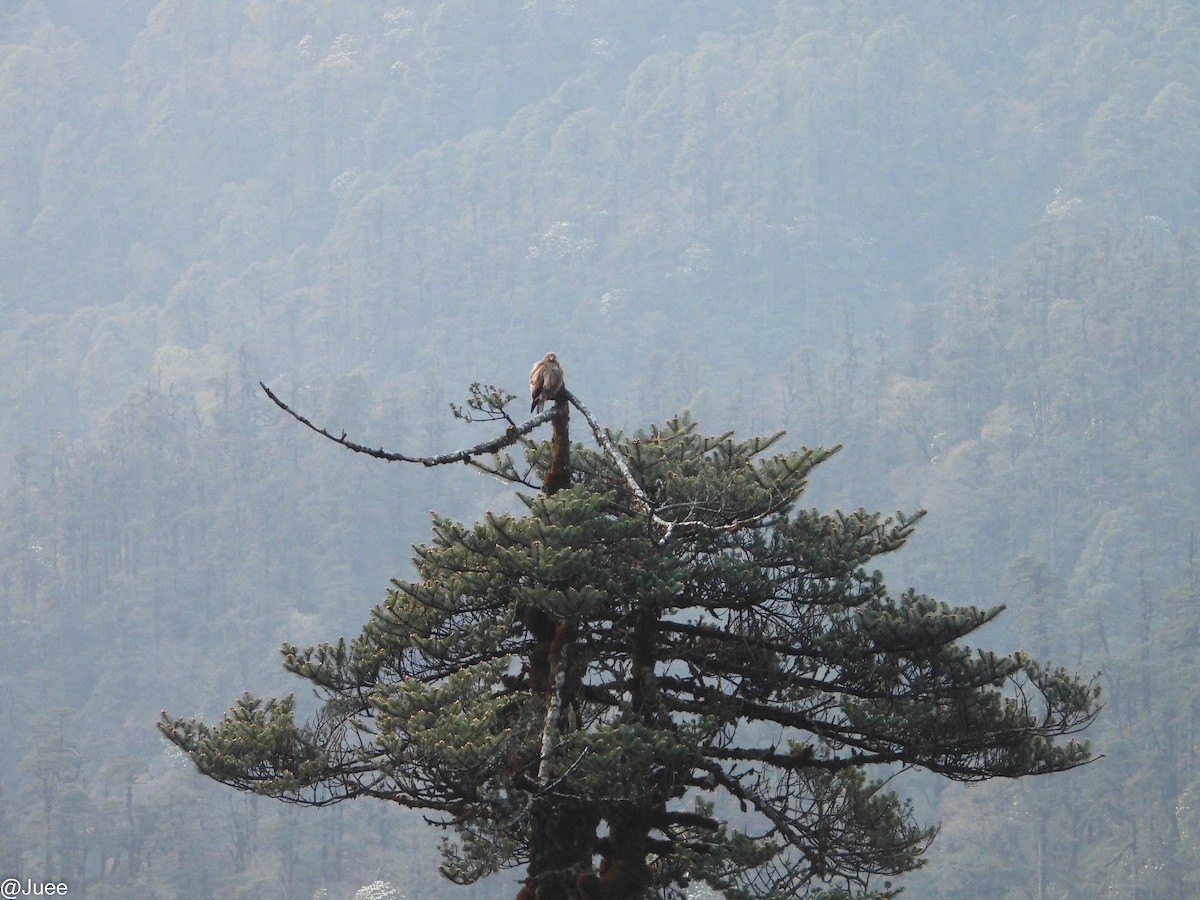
959 239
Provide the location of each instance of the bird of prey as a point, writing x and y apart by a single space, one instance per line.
545 381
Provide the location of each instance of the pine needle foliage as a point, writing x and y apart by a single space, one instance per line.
724 701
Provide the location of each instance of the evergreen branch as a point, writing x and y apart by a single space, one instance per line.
806 759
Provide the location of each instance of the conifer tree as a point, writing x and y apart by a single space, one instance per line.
664 671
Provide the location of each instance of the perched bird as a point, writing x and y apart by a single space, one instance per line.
545 381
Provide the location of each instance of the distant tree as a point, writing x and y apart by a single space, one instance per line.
664 665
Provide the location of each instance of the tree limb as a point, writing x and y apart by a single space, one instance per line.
511 435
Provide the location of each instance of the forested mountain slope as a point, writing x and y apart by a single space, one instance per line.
959 239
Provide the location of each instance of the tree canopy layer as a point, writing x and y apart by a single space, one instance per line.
588 681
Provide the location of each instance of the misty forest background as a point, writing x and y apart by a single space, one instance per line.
958 238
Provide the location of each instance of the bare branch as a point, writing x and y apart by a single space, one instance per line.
511 435
640 497
615 455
